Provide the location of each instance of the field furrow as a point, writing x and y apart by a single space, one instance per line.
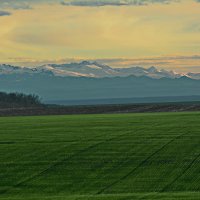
102 157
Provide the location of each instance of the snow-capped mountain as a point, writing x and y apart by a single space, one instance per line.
95 70
194 75
9 69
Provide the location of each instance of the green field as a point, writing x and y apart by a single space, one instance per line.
100 157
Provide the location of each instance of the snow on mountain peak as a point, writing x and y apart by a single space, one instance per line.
152 70
95 70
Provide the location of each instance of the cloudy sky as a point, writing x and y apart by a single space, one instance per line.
119 32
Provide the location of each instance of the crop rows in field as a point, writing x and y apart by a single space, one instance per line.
140 156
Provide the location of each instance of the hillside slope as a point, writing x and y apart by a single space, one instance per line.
115 157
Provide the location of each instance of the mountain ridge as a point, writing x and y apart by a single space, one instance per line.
50 87
95 70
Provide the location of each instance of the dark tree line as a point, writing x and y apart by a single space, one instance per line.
18 100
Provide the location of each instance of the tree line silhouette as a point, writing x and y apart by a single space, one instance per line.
19 100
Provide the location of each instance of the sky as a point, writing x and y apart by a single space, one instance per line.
122 33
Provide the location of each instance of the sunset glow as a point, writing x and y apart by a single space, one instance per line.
46 31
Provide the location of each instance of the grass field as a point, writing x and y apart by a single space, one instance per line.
100 157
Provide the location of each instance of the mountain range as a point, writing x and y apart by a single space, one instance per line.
94 83
95 70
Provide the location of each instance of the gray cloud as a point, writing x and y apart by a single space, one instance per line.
96 3
15 4
27 4
4 13
21 6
